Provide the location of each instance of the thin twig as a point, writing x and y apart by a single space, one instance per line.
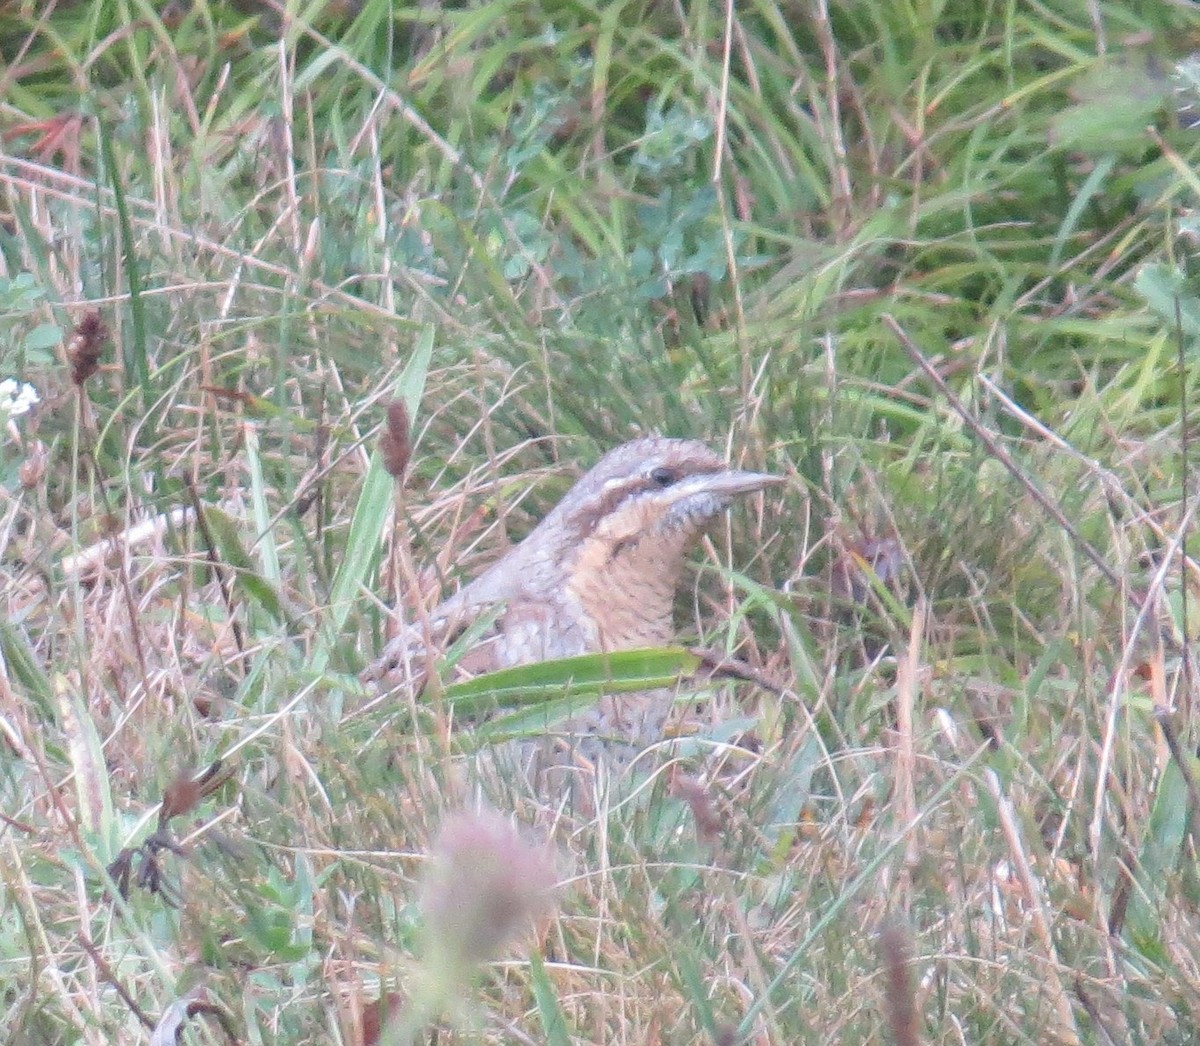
106 973
1184 454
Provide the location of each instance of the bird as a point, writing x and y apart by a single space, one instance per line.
598 574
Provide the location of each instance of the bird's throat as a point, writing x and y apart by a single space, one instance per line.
627 590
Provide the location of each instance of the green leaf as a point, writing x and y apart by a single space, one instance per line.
23 667
1165 289
574 678
43 337
554 1022
1158 862
135 354
267 549
226 533
1118 98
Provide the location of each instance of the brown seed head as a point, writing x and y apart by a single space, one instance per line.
895 951
183 794
396 444
180 797
33 468
83 350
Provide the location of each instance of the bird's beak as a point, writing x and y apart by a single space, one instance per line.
723 484
699 498
734 482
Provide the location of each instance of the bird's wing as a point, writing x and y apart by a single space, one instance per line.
500 634
409 655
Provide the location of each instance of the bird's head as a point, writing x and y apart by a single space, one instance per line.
653 490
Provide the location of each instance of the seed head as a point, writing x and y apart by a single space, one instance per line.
484 884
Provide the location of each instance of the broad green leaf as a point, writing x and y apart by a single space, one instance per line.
553 1020
1164 288
574 677
44 336
1118 97
226 533
23 667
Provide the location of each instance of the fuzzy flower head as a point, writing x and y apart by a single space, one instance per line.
484 884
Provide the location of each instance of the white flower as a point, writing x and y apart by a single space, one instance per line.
17 397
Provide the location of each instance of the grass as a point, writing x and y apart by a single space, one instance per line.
550 227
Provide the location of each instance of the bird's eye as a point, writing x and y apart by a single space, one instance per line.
664 477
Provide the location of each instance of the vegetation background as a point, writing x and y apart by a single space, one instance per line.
933 262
